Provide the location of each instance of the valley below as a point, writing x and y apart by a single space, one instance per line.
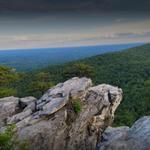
32 59
73 105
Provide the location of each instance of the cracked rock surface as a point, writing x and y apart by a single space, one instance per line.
51 123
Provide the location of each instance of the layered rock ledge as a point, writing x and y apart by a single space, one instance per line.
52 122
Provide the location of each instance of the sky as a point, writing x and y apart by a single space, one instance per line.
68 23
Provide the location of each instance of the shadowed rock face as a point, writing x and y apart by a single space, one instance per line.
55 125
124 138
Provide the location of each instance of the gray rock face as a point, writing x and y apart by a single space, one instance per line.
57 97
65 130
11 109
8 107
55 125
31 106
141 129
115 133
123 138
18 117
27 101
106 95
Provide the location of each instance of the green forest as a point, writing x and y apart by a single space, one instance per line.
128 69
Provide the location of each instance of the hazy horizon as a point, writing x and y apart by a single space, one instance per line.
115 44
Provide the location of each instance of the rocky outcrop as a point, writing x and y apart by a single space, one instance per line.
52 122
8 107
14 109
27 101
57 97
124 138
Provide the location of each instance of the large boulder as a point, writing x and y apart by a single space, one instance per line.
72 115
26 101
57 97
124 138
14 109
8 107
19 117
63 128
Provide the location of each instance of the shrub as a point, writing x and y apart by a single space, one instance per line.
77 106
37 88
4 92
6 139
8 75
9 142
78 70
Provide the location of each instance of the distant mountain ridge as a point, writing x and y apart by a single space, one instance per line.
31 59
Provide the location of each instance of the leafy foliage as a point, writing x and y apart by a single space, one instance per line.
9 142
37 88
77 106
78 70
7 77
6 141
5 91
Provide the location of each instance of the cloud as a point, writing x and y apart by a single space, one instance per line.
114 36
61 31
65 39
69 5
133 34
70 37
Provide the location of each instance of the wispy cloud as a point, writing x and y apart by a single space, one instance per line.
133 34
76 39
58 31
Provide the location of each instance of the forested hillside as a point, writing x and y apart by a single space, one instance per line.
129 69
7 77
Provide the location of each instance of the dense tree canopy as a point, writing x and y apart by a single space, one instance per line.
78 69
7 77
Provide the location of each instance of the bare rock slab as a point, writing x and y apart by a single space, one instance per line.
8 107
124 138
24 102
57 97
